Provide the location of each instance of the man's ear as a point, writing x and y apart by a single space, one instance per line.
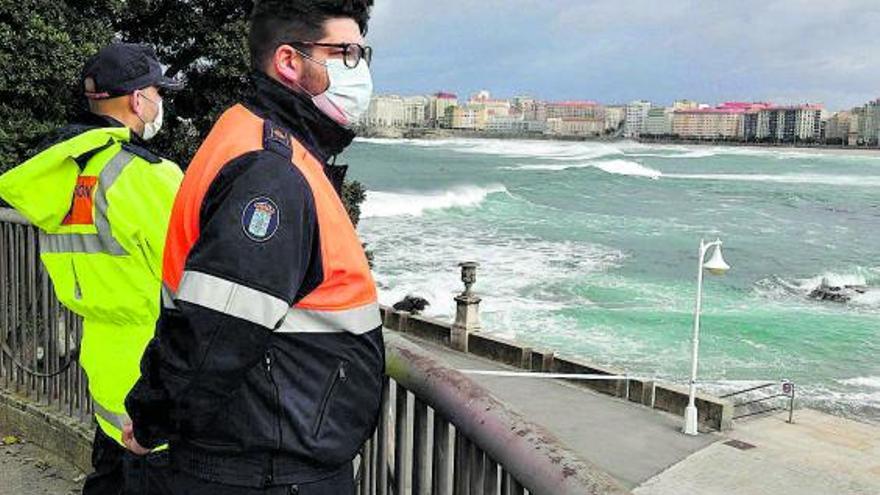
134 102
287 63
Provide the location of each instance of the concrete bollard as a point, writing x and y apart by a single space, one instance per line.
467 312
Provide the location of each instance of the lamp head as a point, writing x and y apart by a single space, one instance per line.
716 264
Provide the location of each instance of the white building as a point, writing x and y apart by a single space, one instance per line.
636 118
614 117
414 108
385 111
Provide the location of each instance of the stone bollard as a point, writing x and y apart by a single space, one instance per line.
467 313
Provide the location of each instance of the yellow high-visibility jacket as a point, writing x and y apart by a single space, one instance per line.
102 205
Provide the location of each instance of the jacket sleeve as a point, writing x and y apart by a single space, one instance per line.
155 186
258 228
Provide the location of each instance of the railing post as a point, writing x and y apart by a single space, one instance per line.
400 433
440 460
420 467
467 312
461 471
382 448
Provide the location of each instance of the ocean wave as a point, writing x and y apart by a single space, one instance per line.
779 288
688 154
515 148
391 204
863 381
615 167
819 179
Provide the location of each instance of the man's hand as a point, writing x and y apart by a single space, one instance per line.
130 442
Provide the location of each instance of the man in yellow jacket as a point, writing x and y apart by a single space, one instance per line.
102 202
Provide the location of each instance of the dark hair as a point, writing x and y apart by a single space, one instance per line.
274 21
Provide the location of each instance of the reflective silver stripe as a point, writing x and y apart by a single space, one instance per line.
103 241
108 176
70 243
357 321
231 298
168 298
116 419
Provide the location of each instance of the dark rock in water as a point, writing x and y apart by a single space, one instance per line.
836 293
412 304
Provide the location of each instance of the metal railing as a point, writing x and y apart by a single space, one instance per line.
761 399
39 338
439 432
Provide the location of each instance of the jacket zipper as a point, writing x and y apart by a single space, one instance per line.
340 375
77 290
268 363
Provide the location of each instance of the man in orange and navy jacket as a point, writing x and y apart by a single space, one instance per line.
266 370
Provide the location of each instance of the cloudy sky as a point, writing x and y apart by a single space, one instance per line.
787 51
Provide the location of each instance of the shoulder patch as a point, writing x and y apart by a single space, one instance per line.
277 139
260 218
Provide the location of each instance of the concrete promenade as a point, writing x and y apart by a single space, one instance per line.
631 442
819 454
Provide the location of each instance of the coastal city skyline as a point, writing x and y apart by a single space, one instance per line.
789 52
685 119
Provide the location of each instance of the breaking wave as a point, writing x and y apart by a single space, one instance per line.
779 288
615 167
392 204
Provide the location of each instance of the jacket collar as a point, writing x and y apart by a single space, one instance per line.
296 112
91 120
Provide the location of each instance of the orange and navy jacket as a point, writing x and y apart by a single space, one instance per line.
268 358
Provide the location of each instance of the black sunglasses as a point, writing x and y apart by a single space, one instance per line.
352 53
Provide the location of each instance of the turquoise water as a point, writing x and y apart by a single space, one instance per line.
590 249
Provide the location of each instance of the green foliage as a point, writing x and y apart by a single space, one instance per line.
43 46
44 43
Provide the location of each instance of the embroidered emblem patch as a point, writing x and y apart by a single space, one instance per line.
260 219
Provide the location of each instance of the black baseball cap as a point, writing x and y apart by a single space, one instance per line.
122 68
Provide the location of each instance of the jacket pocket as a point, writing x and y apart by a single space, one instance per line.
339 376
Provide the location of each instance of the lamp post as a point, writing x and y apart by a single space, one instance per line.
716 266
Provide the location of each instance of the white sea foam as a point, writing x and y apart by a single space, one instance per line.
390 204
687 154
625 167
778 288
519 276
819 179
615 167
863 381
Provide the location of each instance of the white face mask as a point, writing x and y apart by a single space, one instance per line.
152 128
348 95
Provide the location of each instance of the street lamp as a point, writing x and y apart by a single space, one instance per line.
716 266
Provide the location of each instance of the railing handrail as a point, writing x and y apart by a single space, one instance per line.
12 216
751 389
526 450
787 392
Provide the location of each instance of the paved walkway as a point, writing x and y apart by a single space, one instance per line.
818 455
26 469
629 441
